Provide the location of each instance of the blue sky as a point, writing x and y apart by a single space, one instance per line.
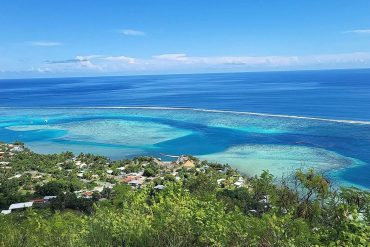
84 37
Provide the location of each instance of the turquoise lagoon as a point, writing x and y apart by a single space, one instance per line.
249 142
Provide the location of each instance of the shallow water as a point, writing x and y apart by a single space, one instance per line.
249 142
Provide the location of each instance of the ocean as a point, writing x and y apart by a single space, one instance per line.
276 121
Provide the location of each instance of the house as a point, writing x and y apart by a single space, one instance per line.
20 205
136 183
39 201
79 164
223 171
133 174
78 193
6 211
159 187
98 188
17 149
128 179
15 176
48 198
109 171
2 154
240 182
3 163
219 181
87 194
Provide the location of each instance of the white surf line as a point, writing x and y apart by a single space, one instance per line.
200 110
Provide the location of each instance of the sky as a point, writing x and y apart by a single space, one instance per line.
126 37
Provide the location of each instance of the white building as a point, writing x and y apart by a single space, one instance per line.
20 205
159 187
47 198
6 211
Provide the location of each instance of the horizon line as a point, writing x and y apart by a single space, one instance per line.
185 73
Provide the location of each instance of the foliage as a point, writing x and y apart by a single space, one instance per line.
191 211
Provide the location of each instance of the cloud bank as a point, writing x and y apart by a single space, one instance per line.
180 62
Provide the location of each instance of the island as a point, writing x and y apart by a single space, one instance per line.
89 200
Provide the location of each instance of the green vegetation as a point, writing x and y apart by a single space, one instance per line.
208 205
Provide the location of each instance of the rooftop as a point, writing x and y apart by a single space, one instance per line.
20 205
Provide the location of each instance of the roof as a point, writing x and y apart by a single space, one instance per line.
17 149
49 197
159 187
133 174
135 182
219 181
39 200
128 179
238 183
88 193
16 176
6 211
20 205
98 188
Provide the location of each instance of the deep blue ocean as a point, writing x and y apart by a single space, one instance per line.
278 121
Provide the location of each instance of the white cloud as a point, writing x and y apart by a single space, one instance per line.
172 57
123 59
132 32
179 62
266 61
98 63
40 70
44 43
89 57
359 31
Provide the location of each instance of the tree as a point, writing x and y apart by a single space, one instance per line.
51 188
149 172
314 189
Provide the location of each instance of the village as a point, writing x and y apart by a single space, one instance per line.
93 189
35 176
